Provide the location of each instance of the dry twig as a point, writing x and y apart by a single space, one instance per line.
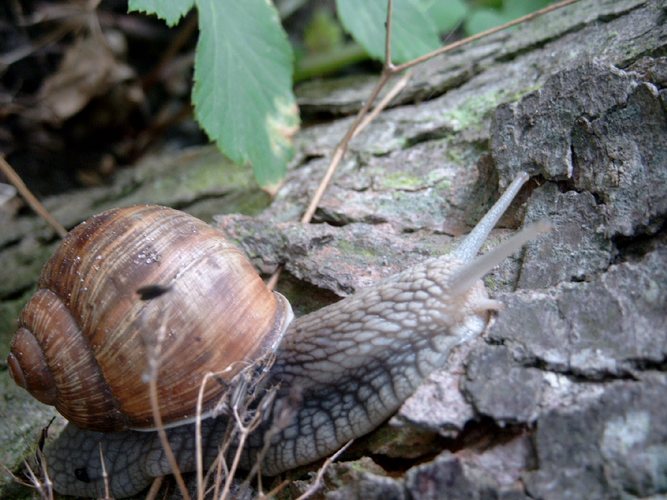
154 352
239 403
155 488
317 483
30 198
42 484
363 117
105 476
272 493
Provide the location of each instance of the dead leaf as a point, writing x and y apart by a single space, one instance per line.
88 69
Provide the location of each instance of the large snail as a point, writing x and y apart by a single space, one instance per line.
83 340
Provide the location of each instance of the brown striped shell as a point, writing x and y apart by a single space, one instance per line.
84 337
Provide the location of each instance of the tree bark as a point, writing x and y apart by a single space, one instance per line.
563 396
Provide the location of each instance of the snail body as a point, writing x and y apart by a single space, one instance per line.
352 363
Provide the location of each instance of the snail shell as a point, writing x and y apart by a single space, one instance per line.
80 345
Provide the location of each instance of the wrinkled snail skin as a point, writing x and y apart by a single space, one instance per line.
352 371
355 362
132 459
352 363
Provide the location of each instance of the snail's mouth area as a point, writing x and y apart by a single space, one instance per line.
463 317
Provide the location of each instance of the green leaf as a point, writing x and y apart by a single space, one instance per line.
445 14
322 33
171 11
413 32
517 8
484 19
243 85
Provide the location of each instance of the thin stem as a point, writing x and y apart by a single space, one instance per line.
281 420
245 431
162 434
105 475
389 69
155 488
154 363
30 198
199 455
312 489
342 146
237 457
274 492
23 51
273 280
465 41
35 482
340 150
198 439
387 39
220 467
384 102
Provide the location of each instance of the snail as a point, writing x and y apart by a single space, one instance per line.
81 344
